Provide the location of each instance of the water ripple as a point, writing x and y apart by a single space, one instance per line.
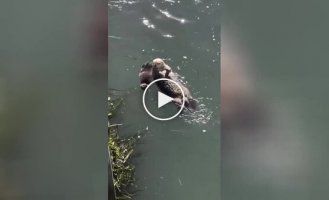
169 15
201 116
150 25
120 3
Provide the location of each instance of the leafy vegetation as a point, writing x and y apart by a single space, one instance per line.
121 151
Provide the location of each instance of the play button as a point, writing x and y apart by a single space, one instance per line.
152 105
163 99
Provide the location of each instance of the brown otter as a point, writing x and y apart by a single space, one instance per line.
157 69
162 70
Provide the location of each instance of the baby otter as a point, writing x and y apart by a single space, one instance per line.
162 69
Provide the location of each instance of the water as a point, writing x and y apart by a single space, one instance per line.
178 159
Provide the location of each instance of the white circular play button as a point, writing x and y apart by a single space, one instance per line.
161 108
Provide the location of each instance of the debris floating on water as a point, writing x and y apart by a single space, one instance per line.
167 36
180 181
114 37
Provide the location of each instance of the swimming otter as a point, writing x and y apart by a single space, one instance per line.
157 69
162 70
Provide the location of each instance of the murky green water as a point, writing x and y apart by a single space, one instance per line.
178 159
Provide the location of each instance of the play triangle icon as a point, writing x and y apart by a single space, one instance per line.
163 99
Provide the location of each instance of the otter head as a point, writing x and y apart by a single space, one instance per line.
159 64
145 75
147 67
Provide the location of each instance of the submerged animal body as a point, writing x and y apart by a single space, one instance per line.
157 69
162 70
167 87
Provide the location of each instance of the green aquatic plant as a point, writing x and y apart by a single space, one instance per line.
121 151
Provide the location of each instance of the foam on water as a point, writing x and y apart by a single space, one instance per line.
201 116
